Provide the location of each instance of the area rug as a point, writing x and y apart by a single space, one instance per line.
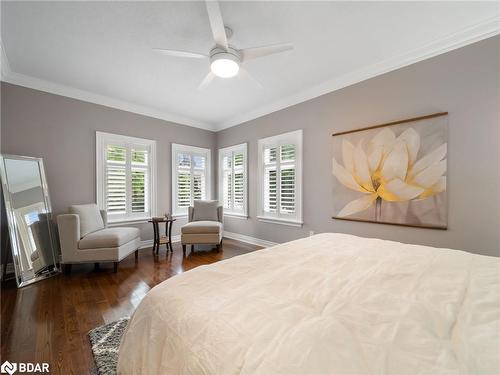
105 342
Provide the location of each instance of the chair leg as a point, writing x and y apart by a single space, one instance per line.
137 254
184 249
115 267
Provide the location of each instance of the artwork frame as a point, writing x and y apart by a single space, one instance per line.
396 174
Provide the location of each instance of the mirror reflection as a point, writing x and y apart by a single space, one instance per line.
28 211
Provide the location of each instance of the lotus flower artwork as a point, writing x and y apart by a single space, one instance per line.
389 168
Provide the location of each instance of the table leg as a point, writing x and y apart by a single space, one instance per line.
155 240
166 235
170 236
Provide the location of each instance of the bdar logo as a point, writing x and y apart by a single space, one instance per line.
8 368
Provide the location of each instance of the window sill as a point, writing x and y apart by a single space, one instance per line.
117 223
236 216
281 221
179 216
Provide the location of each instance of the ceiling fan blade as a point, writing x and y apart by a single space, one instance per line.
206 81
253 53
243 73
176 53
216 23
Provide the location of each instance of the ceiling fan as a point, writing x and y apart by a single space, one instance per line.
225 60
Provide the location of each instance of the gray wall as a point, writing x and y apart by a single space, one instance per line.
27 197
62 130
464 82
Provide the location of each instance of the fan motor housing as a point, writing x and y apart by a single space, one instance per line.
221 53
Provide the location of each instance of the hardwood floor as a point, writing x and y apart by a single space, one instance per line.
49 321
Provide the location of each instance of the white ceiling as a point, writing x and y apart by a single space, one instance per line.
101 51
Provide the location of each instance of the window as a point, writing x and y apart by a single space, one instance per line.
125 176
280 169
190 176
233 180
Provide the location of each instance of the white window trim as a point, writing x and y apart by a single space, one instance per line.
294 137
236 215
199 150
242 147
103 138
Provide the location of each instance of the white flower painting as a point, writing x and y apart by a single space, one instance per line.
393 174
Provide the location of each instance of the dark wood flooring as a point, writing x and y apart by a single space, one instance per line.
49 320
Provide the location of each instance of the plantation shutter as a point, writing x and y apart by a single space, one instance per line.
232 180
270 193
116 180
140 161
124 174
280 177
126 181
287 179
190 178
280 180
227 181
239 181
183 180
199 188
270 180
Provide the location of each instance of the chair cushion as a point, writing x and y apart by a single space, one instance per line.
204 238
109 237
205 210
90 218
204 226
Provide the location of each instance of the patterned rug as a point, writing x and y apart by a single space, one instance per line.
105 341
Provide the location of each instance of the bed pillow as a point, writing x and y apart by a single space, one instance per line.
205 210
90 218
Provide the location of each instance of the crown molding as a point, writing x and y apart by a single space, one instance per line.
12 77
472 34
9 76
469 35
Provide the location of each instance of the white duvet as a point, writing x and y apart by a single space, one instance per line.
328 304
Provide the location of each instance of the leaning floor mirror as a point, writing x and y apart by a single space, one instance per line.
29 217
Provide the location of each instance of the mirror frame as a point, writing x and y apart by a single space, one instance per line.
14 247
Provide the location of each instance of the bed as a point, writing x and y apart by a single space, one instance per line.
328 304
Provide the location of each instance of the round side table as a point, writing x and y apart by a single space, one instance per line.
162 240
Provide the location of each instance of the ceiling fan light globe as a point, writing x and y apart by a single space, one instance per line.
225 66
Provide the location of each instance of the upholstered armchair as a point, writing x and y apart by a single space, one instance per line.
86 238
205 225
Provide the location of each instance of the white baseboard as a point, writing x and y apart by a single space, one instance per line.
248 239
234 236
149 243
146 243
